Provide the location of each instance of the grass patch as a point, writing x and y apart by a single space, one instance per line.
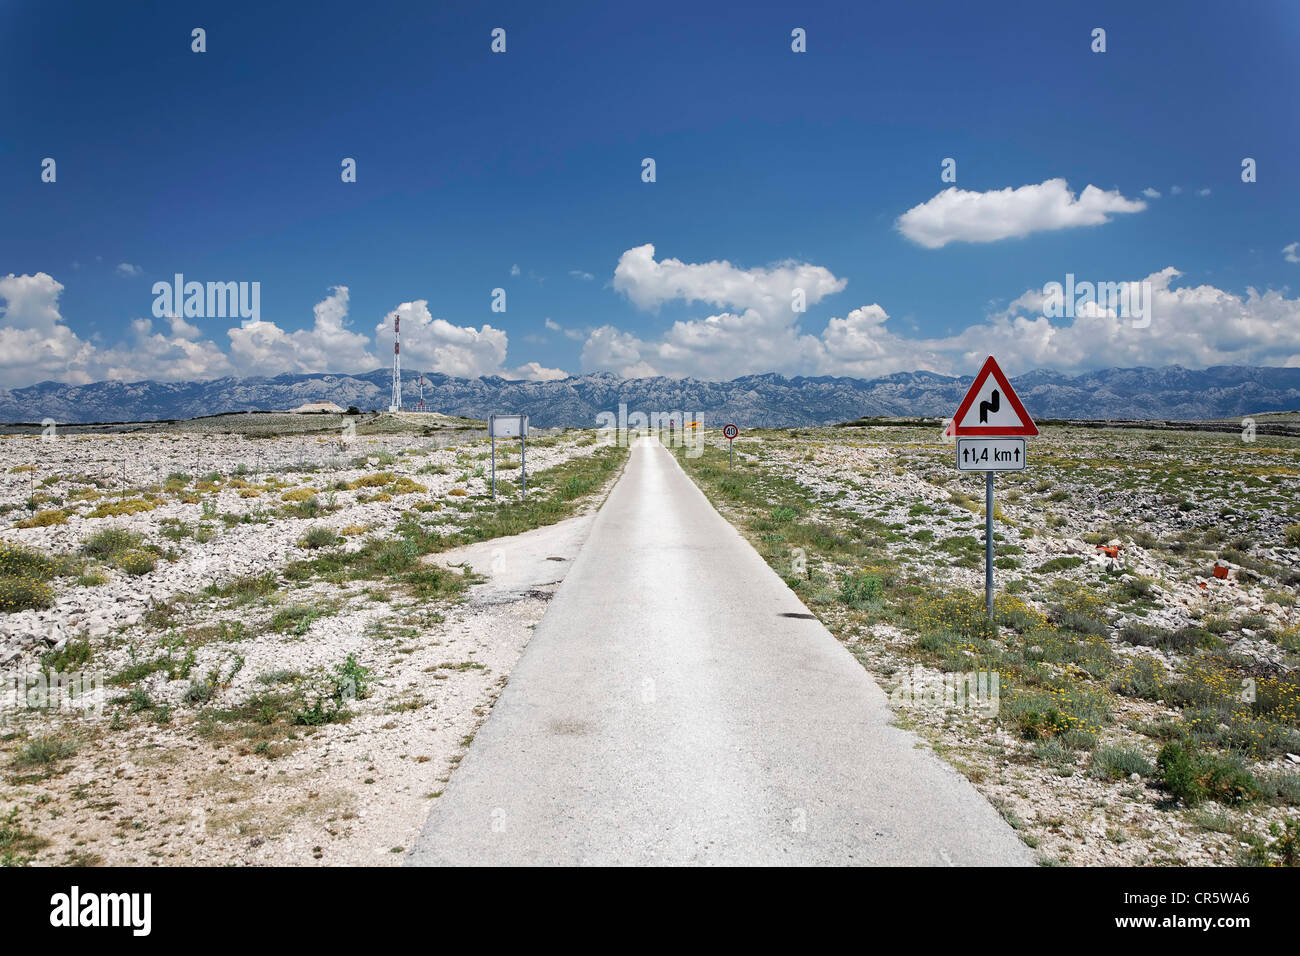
297 619
109 543
16 842
1056 565
1116 763
25 576
43 753
319 537
45 519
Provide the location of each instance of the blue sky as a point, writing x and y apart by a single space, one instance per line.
774 170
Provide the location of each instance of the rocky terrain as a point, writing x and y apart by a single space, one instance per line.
294 635
1147 704
752 400
283 656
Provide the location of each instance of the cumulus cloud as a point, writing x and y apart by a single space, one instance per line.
961 215
579 274
37 345
1204 191
176 354
1290 254
126 269
1194 326
514 270
649 283
608 349
263 348
533 372
461 351
756 331
1151 193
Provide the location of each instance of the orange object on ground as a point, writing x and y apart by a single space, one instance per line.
1110 550
1221 571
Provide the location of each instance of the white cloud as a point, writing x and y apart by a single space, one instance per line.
533 372
1151 193
1205 191
440 346
263 348
960 215
756 332
579 274
36 345
436 345
609 350
1194 326
126 269
576 335
180 356
1290 254
514 270
649 284
1175 190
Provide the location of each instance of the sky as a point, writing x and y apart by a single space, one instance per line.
801 217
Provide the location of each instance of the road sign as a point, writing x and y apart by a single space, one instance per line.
991 454
991 408
729 432
510 426
985 422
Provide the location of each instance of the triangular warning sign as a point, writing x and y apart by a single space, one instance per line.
991 407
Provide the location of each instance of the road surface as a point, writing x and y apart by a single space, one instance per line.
676 705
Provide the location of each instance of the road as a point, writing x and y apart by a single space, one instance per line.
677 705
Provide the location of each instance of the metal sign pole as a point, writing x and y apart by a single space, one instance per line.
523 463
493 433
988 542
731 458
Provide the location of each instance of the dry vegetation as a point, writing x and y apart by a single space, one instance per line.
1149 710
284 674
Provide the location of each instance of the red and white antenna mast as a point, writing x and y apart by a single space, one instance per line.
395 404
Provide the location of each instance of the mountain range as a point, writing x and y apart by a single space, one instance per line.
1170 393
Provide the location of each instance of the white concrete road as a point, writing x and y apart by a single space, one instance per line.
676 705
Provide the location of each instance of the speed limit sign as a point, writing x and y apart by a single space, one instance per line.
729 432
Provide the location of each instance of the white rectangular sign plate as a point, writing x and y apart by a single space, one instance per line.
991 454
508 426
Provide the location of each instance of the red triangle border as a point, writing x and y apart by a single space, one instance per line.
1026 426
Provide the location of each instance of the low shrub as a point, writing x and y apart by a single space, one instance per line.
25 575
44 519
864 590
1193 776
